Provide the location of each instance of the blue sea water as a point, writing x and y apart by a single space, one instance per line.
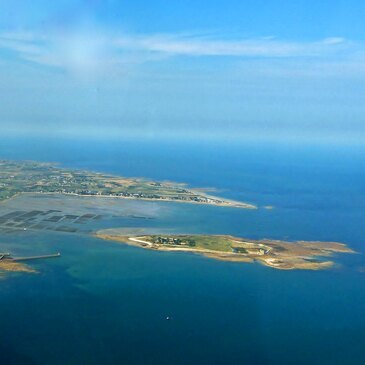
104 303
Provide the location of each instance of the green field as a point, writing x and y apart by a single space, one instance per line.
214 243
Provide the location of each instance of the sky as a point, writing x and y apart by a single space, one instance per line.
234 69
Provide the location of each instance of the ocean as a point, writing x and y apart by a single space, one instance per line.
107 303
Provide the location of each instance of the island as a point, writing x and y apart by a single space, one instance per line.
22 177
15 264
7 264
305 255
46 178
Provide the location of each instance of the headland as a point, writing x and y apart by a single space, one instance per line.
19 177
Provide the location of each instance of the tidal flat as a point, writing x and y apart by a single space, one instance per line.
138 223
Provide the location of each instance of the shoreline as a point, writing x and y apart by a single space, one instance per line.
8 266
226 203
302 257
20 178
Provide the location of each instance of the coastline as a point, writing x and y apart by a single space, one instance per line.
7 266
225 203
303 255
19 178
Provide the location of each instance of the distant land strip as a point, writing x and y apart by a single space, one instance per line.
17 177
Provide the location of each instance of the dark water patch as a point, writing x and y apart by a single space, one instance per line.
71 217
11 356
12 214
66 229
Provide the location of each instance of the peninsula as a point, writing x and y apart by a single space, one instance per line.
307 255
35 177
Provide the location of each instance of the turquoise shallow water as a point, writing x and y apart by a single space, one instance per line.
104 303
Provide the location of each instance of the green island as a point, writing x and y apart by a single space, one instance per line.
35 177
45 178
307 255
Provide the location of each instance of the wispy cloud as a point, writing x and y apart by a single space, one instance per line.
268 83
89 52
78 52
202 46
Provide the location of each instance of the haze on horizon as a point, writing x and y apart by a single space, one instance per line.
278 70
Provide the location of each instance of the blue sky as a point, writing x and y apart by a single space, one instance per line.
235 69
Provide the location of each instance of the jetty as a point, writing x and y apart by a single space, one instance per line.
8 256
4 255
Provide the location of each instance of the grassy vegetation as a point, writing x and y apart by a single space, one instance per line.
18 177
215 243
277 254
204 242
